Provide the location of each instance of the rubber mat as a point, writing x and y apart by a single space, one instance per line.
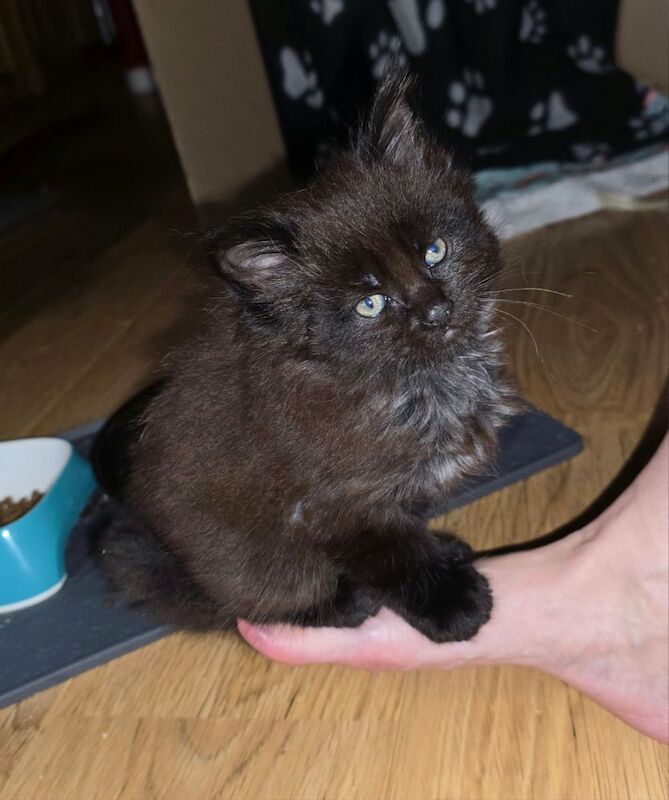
79 628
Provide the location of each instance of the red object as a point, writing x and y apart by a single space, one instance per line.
130 42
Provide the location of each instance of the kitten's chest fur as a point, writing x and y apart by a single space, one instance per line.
441 427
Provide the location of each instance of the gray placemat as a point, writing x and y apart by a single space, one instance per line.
79 628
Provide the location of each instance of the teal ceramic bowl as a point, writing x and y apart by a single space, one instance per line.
32 547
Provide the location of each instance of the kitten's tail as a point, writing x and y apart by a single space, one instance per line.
152 577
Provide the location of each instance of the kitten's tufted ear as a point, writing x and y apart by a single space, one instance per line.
252 253
255 255
255 267
392 130
254 258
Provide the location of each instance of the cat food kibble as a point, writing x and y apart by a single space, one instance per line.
11 510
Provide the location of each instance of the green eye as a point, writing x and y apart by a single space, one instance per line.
435 252
372 305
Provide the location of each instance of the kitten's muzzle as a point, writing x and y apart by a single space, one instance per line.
436 315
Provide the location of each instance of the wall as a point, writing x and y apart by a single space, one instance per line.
212 80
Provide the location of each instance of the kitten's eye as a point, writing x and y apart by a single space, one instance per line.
435 252
372 305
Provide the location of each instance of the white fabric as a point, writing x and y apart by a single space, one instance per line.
515 213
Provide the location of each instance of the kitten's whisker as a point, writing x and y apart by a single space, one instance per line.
532 336
536 289
547 310
507 274
490 333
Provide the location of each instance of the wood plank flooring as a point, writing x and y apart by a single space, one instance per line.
205 717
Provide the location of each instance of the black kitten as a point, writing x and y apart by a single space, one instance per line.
348 375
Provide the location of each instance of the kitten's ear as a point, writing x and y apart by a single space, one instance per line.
254 266
392 130
251 252
254 258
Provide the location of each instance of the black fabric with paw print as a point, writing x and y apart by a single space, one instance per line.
502 82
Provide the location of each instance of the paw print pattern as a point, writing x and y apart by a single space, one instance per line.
482 6
299 81
470 107
435 14
588 56
553 114
327 9
381 50
408 18
648 124
533 23
653 119
595 153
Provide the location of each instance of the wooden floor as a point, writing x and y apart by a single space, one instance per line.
205 717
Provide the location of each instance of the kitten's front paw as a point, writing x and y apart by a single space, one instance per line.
349 608
448 605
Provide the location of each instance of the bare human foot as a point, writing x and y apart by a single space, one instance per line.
620 652
592 609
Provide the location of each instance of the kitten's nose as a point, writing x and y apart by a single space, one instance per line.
437 313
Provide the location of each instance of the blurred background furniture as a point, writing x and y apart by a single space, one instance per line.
213 46
642 41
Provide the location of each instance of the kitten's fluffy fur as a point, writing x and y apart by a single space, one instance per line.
285 469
